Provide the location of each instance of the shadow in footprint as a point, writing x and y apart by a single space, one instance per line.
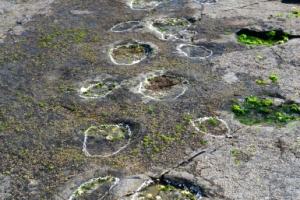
290 1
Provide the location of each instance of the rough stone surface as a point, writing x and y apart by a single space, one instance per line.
14 14
128 185
179 176
5 187
80 12
40 108
92 171
265 166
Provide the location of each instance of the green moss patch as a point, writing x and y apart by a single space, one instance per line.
274 78
256 110
269 38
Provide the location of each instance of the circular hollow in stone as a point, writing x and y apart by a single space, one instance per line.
163 87
166 190
169 27
130 53
212 126
193 51
102 184
144 4
106 140
97 89
124 26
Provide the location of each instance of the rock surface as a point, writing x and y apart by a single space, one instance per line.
5 187
14 14
128 185
43 118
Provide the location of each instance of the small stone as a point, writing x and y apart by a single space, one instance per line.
75 138
149 196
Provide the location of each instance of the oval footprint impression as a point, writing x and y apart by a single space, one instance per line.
163 87
130 53
193 51
144 4
125 26
106 140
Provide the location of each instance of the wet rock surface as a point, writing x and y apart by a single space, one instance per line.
52 52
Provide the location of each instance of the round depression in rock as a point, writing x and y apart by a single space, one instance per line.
124 26
96 188
144 4
129 54
106 140
163 87
194 51
166 191
169 27
212 126
97 89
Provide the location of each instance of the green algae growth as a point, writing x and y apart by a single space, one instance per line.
255 110
268 39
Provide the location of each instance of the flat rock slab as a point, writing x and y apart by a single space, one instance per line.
14 14
5 187
128 185
37 83
257 158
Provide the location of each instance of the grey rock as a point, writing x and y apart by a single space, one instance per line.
156 172
92 171
278 101
180 177
18 30
129 185
5 187
10 13
230 78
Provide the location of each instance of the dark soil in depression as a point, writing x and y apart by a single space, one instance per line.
161 83
132 49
